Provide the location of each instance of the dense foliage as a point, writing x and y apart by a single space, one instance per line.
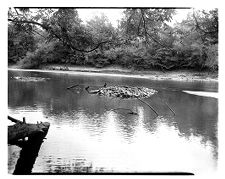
143 39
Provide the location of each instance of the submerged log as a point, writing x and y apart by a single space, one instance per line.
73 86
148 106
131 112
92 91
21 130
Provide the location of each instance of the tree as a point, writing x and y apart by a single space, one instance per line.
147 23
143 39
61 24
19 43
101 29
197 38
206 23
200 27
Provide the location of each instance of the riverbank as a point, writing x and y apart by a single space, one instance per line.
180 75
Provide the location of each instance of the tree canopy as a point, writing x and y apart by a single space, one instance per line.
144 38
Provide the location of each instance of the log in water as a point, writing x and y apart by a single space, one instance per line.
20 130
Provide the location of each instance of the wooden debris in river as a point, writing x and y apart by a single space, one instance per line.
29 79
124 92
21 130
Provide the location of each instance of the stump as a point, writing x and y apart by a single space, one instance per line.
21 130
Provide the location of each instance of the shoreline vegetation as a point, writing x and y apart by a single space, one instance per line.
176 75
142 41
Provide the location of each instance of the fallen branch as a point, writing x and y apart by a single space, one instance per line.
148 106
167 105
131 112
92 91
14 120
51 30
72 86
169 108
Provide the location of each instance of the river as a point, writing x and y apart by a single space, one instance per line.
87 135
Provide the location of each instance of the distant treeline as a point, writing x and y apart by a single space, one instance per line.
143 39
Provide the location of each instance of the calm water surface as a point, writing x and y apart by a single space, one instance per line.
86 135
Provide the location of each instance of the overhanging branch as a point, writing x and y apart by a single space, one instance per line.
49 29
147 34
199 27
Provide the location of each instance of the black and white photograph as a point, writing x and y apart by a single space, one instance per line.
112 90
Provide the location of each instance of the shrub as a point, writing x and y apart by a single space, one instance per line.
190 57
196 56
212 57
128 56
96 59
31 60
41 55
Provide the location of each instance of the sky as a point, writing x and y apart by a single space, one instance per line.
113 14
116 14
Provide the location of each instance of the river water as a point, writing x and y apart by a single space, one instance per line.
87 134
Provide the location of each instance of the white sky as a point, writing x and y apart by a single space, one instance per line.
116 14
180 15
113 14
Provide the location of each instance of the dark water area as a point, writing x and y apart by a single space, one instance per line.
87 135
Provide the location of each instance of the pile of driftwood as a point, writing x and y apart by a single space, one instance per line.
29 79
125 92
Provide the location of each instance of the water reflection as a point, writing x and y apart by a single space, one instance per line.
54 165
86 135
